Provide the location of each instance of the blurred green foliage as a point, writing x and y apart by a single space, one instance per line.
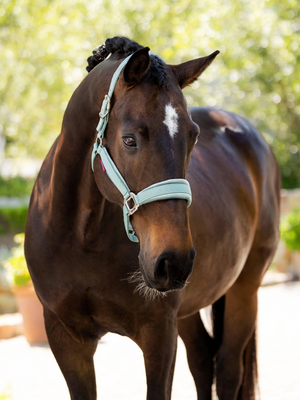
44 46
16 264
290 230
16 187
13 219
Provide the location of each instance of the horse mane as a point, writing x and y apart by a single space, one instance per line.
124 46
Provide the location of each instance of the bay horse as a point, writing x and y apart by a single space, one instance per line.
92 279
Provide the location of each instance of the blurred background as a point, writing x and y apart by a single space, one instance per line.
43 50
44 46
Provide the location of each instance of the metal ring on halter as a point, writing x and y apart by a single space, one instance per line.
106 97
135 204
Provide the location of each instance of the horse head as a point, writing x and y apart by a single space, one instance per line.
150 136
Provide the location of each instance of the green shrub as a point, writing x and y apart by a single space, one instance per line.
16 265
13 219
290 230
16 187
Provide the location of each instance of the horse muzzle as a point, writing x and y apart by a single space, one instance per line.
170 272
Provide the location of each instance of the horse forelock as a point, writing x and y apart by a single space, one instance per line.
123 46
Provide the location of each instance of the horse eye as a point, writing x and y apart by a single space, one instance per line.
129 141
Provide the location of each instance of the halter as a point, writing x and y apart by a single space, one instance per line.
168 189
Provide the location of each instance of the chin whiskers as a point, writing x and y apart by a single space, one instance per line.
177 285
148 293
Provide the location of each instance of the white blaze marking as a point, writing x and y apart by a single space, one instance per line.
171 119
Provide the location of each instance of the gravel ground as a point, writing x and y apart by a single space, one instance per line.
30 372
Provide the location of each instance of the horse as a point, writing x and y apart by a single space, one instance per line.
145 281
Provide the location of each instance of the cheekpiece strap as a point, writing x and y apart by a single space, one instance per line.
105 109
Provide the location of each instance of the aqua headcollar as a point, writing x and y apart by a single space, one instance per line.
169 189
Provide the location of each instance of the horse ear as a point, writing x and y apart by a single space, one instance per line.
137 66
189 71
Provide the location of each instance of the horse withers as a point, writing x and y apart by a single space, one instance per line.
143 281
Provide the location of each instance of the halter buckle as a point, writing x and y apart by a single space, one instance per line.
133 209
107 98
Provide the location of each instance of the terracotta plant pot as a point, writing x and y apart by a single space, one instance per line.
32 313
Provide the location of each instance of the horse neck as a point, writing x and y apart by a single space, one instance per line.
73 195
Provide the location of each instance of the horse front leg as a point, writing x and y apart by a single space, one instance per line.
74 358
200 353
158 341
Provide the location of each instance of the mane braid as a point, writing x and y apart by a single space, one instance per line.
124 46
117 44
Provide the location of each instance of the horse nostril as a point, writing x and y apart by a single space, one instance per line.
161 273
192 255
172 269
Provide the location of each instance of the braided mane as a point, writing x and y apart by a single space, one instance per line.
124 46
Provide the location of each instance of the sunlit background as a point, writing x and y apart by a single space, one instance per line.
44 46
